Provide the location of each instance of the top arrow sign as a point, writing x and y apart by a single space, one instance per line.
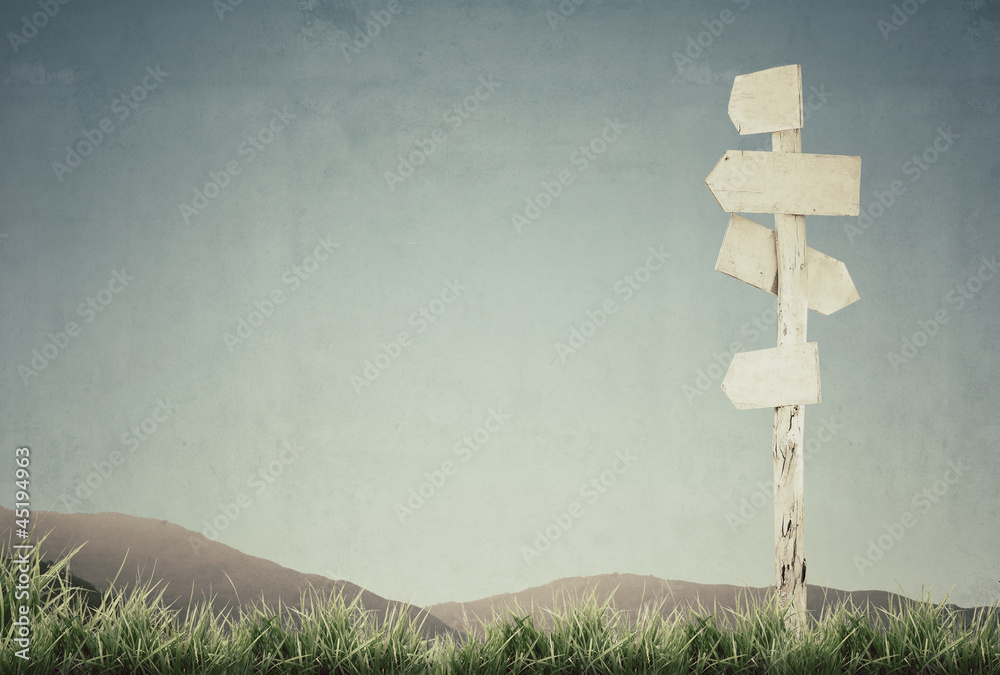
768 100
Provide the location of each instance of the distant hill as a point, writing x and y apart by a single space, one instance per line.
186 564
634 594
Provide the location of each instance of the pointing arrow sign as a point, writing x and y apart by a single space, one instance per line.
770 378
768 100
749 254
787 182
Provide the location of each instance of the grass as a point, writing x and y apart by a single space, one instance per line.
133 632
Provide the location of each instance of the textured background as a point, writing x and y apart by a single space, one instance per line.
693 501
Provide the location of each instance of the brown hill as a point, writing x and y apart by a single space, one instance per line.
633 595
185 562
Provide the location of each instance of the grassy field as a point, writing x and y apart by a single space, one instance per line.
70 632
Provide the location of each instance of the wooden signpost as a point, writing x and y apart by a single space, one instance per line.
790 185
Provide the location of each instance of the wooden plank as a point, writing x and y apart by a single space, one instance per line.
785 182
829 284
769 378
748 253
768 100
789 420
789 516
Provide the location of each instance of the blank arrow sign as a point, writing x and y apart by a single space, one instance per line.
749 254
768 100
787 182
770 378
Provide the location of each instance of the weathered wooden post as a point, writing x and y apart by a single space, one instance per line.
790 185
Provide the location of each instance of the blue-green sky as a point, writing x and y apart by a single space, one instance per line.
251 238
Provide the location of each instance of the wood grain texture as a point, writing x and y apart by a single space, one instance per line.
768 378
747 181
749 254
768 100
789 421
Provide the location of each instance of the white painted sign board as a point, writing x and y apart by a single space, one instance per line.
768 100
771 378
748 181
748 253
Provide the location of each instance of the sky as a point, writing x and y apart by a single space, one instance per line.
422 295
